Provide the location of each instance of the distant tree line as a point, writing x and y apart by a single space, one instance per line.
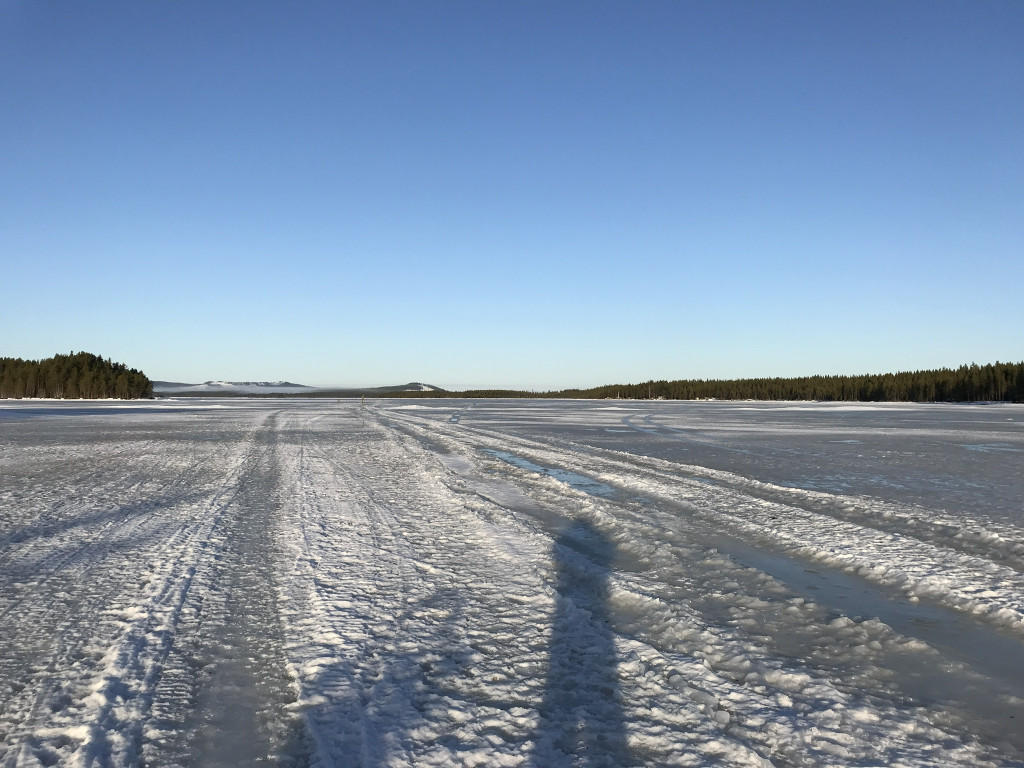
994 382
71 376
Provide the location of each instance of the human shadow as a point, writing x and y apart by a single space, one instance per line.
581 717
374 702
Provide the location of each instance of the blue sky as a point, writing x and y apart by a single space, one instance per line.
512 194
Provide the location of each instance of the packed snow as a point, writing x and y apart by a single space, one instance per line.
510 583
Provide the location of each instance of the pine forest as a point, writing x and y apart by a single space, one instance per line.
75 375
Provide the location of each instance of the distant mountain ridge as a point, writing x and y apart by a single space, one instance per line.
412 386
253 384
236 388
214 386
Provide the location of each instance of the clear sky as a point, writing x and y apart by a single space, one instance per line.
512 194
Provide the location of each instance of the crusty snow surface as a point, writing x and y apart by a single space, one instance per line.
506 583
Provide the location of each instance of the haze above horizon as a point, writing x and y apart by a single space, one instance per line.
512 195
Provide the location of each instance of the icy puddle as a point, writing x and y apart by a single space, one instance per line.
579 482
983 647
982 671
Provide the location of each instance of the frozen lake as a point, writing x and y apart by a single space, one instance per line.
541 583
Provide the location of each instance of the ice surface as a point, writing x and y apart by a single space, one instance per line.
510 583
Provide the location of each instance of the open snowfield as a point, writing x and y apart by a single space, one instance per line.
503 583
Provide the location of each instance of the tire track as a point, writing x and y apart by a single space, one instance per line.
364 599
224 691
101 645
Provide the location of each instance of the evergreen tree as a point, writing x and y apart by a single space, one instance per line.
71 375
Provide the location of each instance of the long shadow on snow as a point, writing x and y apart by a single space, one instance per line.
376 704
581 718
377 700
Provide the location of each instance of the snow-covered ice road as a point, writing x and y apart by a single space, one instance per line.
488 583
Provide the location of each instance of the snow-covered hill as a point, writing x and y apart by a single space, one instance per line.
276 388
230 387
